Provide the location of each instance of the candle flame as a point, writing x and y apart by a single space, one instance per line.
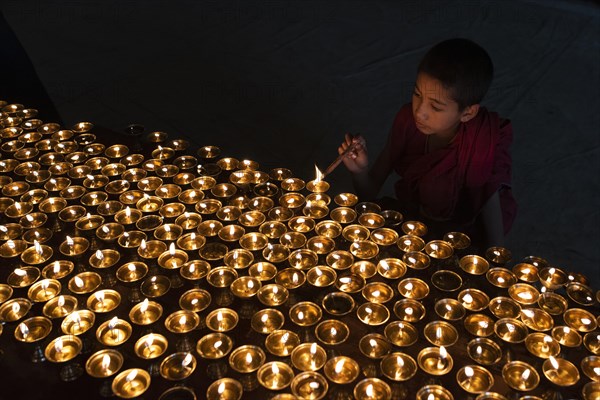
61 300
172 246
100 296
221 388
248 358
313 349
318 174
469 372
99 255
187 360
105 362
479 350
69 241
38 247
58 346
149 340
76 318
528 313
300 315
408 286
144 306
182 320
369 391
526 295
443 352
24 329
113 323
438 332
553 362
143 244
20 272
525 374
56 268
79 282
468 298
275 369
131 376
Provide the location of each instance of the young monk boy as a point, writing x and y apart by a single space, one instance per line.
451 154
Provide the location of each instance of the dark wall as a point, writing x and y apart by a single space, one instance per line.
281 81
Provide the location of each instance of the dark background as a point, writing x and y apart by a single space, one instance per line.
279 82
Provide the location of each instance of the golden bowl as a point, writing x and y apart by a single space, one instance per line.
440 333
374 346
343 215
524 293
309 384
338 303
511 330
401 333
450 309
290 278
177 366
113 332
263 271
305 313
308 357
247 358
273 295
398 366
409 310
341 370
155 286
63 348
131 383
104 363
281 342
474 264
222 320
214 346
33 329
267 320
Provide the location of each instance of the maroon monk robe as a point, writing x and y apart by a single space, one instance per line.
455 182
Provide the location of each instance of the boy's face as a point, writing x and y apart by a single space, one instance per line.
435 112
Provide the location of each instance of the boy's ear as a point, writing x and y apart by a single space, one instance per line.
469 112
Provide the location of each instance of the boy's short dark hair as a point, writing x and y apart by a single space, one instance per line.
463 67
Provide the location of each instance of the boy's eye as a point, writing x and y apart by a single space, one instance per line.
435 108
416 94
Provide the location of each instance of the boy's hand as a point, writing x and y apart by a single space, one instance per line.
356 159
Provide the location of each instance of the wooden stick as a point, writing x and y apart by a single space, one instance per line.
339 159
